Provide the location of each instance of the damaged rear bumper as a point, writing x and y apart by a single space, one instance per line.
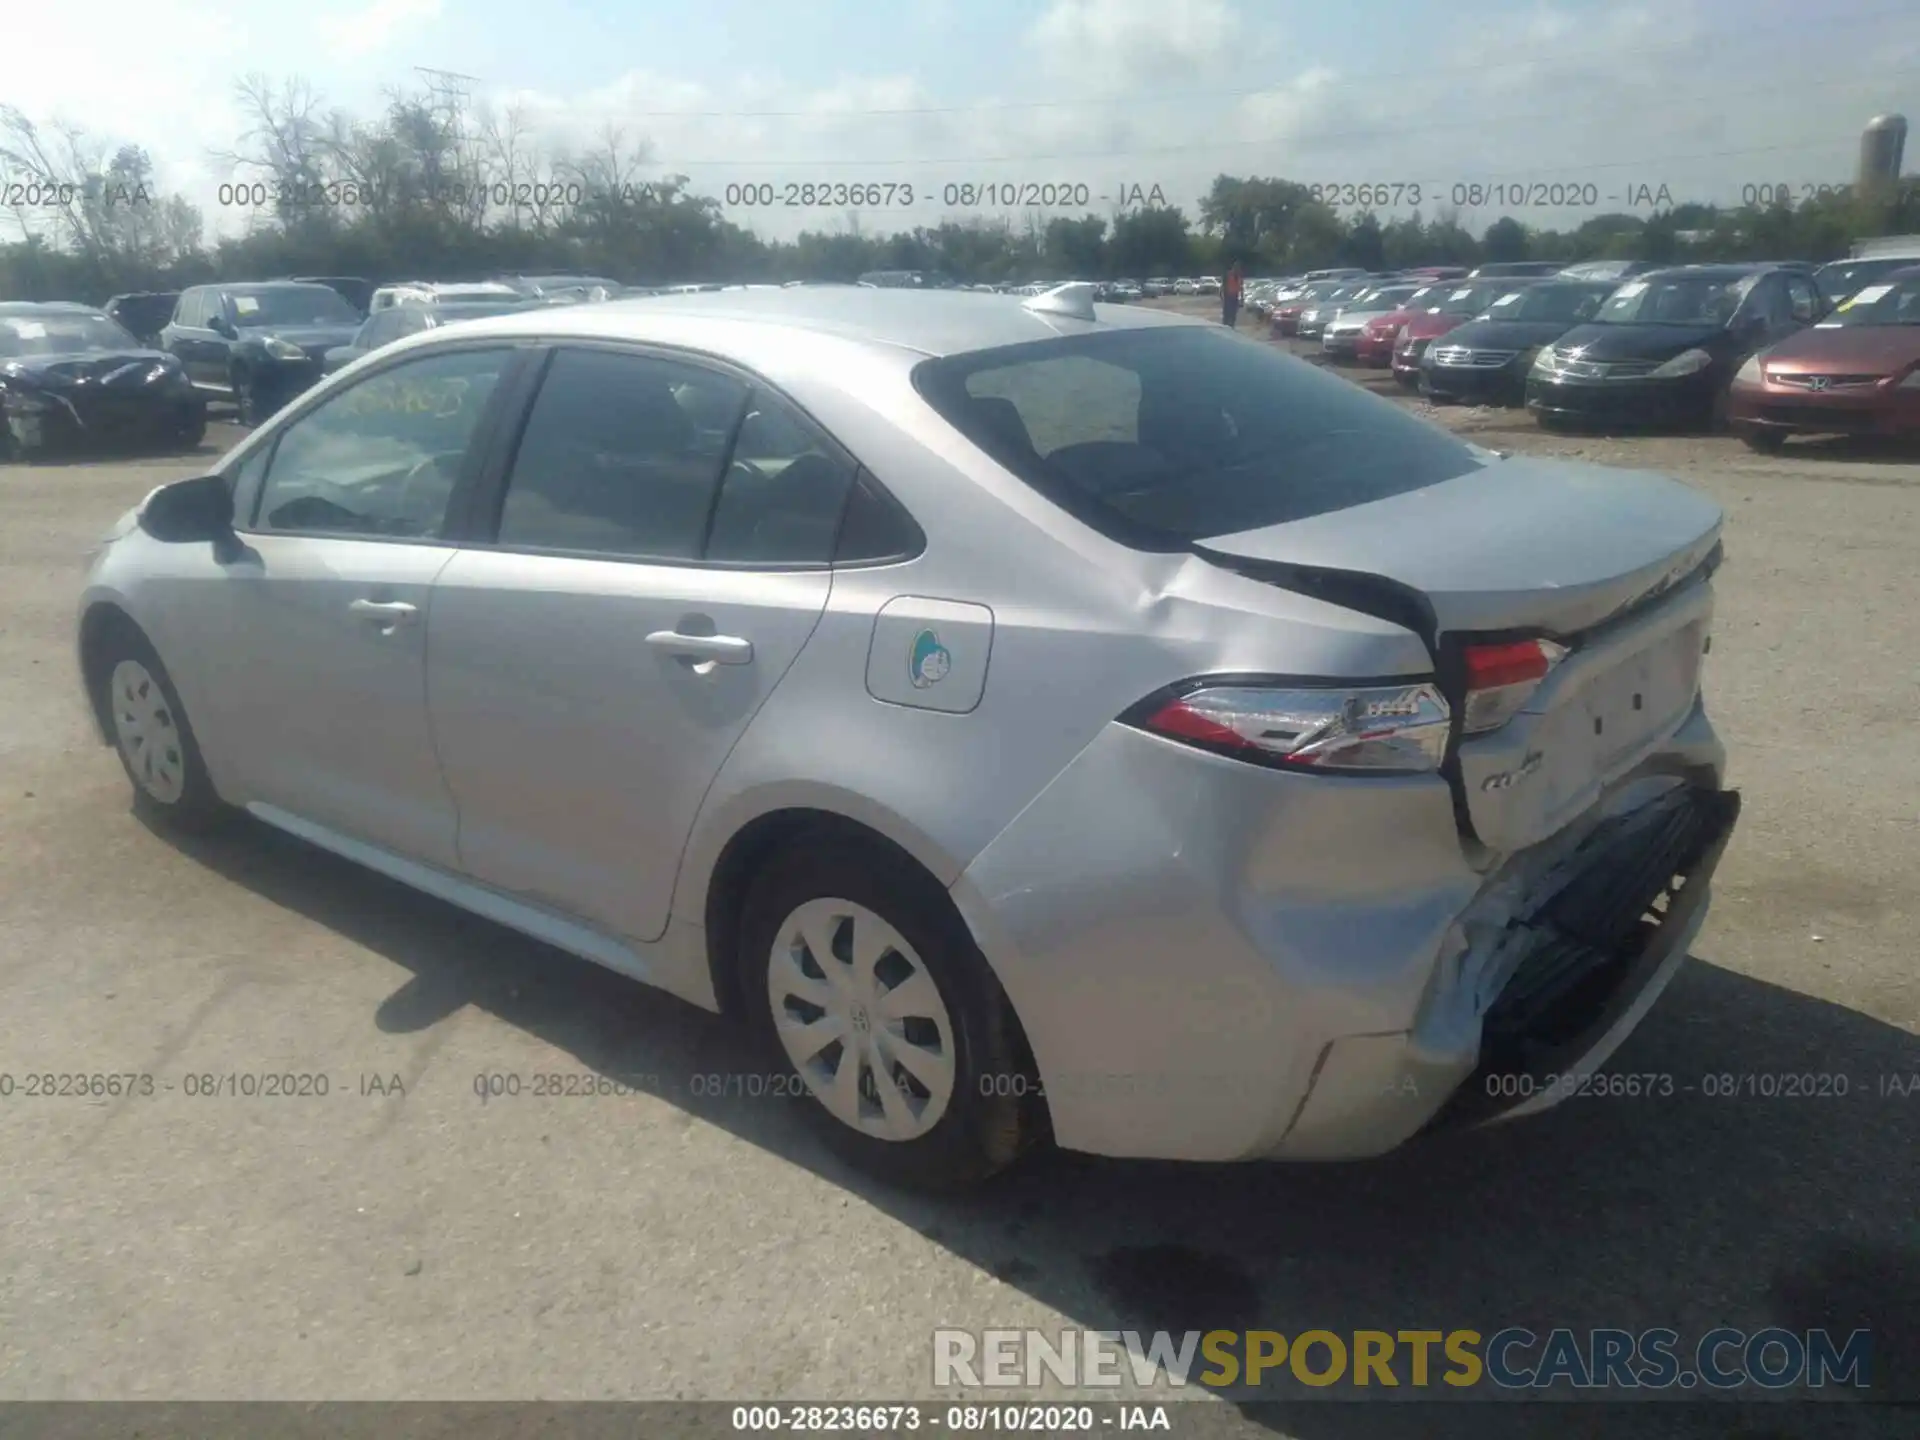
1602 952
1216 962
1552 995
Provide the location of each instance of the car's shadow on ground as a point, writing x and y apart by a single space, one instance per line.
1751 1208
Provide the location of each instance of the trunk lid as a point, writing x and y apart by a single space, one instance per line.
1546 546
1588 556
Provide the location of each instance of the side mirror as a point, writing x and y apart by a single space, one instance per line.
189 511
220 325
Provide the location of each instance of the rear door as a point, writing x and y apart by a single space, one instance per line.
660 555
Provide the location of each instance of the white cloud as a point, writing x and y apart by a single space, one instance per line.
1114 44
356 31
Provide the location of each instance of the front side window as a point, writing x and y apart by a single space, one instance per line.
1160 437
381 457
620 457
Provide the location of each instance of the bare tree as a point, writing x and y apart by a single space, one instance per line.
520 170
284 148
105 206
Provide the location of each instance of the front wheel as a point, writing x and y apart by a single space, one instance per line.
1764 442
153 738
865 985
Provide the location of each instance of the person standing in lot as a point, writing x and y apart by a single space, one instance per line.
1230 297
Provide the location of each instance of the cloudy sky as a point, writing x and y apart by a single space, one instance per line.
1597 100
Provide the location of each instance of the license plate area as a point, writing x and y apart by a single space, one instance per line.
1598 729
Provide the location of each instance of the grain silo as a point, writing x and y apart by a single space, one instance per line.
1881 146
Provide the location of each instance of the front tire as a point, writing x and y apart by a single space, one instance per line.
153 738
863 983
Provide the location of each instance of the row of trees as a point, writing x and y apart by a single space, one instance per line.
437 186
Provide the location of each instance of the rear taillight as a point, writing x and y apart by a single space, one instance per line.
1502 678
1376 729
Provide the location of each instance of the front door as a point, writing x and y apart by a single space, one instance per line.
323 629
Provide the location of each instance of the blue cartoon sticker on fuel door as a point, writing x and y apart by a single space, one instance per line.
930 661
930 654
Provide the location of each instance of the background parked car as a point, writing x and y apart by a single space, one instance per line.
70 376
1614 270
1340 339
1460 304
143 314
1288 309
1487 360
427 292
563 289
1514 268
1315 318
399 321
1841 279
257 345
1856 372
1381 333
1665 345
351 288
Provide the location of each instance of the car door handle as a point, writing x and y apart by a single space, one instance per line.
392 614
722 649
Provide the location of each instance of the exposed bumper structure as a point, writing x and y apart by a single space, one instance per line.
1215 961
54 420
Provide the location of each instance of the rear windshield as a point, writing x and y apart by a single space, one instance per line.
1158 437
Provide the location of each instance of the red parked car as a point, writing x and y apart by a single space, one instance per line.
1856 373
1462 300
1375 346
1286 318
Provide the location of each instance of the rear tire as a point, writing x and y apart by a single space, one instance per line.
903 997
153 738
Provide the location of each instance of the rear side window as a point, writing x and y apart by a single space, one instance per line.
620 457
1159 437
785 488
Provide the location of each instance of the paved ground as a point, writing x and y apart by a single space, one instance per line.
405 1239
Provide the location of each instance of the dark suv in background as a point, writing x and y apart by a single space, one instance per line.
258 345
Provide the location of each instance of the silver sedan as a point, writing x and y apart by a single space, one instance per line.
1035 719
